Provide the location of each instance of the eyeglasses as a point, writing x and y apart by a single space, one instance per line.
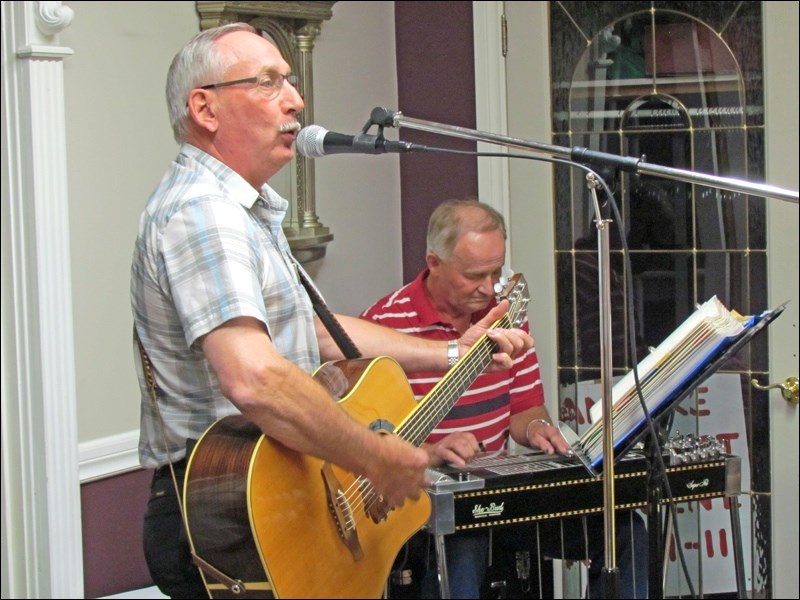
271 83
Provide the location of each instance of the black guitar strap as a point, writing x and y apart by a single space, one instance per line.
335 328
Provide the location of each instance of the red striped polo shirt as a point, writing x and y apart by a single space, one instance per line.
486 407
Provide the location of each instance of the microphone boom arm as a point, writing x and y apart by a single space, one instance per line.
386 117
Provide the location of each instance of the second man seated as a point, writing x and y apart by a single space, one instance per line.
465 255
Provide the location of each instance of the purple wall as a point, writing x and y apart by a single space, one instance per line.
113 509
436 82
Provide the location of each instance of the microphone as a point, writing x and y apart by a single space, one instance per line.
314 141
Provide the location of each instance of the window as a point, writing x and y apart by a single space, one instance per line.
683 88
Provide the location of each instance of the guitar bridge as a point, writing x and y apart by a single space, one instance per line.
341 512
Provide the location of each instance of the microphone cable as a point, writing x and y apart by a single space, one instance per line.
630 321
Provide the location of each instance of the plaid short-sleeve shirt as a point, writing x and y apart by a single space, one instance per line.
210 248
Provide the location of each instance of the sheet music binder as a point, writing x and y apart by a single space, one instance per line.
629 422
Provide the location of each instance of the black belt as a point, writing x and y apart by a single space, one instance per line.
179 465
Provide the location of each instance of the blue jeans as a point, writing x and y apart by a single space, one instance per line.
467 557
631 559
571 539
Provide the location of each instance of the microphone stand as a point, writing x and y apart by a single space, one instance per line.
610 572
386 117
383 117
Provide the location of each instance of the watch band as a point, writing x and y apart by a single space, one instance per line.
452 352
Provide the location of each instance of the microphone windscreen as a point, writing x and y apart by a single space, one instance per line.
310 140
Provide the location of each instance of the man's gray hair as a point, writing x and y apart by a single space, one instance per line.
452 218
198 63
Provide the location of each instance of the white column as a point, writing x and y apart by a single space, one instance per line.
42 546
490 105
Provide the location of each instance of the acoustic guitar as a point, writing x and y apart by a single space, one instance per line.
266 521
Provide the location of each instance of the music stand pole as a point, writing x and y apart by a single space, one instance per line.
610 571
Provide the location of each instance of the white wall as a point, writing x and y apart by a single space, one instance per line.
119 143
531 215
780 95
358 196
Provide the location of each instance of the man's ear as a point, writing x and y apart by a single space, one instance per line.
431 260
201 109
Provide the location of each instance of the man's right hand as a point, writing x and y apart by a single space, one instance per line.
397 472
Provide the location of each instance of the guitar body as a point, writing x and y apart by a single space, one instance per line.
261 513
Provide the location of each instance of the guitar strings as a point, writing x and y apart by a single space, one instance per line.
361 494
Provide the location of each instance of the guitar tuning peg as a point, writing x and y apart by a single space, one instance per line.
506 273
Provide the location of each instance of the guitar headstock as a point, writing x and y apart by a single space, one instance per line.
515 290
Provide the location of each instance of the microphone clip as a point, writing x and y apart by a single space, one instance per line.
382 117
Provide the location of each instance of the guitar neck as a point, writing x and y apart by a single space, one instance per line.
433 407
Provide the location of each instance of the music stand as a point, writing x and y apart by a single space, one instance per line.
623 442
